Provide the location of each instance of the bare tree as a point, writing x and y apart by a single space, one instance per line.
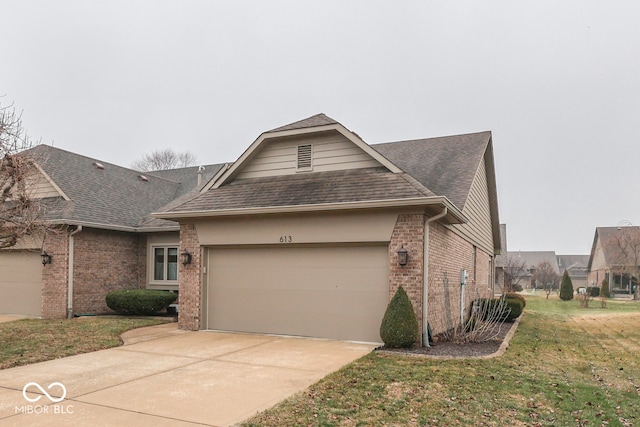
515 270
625 247
163 160
546 275
20 213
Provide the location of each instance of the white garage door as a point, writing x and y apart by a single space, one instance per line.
20 283
327 292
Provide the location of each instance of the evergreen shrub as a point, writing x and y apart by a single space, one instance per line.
140 301
399 328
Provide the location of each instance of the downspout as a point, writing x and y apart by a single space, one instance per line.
70 284
425 277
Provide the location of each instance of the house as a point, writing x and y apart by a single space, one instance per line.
529 261
615 257
576 267
307 232
501 263
103 240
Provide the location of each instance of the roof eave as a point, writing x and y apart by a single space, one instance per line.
454 216
113 227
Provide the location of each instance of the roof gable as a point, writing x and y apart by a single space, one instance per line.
615 246
274 153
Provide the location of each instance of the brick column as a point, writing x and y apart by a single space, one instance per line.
55 276
190 289
408 232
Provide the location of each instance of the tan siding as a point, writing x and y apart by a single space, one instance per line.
477 209
39 187
599 261
330 151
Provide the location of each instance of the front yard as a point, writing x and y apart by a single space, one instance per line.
36 340
566 366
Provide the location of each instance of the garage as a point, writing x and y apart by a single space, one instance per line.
20 283
324 291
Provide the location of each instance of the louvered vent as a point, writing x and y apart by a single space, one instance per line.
304 156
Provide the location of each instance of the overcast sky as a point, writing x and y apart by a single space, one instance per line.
556 82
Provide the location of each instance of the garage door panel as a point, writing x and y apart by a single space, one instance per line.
20 283
330 292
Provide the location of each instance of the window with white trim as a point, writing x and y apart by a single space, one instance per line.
165 264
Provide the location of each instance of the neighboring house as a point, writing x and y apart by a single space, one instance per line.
531 260
577 267
305 233
104 239
615 256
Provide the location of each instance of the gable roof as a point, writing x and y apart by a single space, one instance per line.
104 195
613 253
434 171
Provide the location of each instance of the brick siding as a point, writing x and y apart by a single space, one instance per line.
103 261
190 277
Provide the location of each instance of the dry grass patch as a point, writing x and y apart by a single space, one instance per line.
35 340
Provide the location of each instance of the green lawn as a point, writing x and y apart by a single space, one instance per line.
36 340
566 366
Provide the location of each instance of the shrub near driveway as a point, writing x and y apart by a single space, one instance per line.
560 370
35 340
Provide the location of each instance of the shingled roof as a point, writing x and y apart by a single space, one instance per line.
435 167
105 195
446 165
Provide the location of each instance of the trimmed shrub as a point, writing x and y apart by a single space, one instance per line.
399 326
139 301
519 297
604 291
515 308
566 287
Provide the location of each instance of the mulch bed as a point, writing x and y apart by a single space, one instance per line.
446 349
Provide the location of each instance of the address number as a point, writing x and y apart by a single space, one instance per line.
286 239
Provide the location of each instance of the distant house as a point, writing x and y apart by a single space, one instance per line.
577 267
310 232
615 256
531 260
501 263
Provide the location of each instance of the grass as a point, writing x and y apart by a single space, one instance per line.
566 366
35 340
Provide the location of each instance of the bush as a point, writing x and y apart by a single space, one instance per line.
139 301
605 289
519 297
566 287
515 308
399 326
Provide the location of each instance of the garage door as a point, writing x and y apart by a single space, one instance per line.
20 283
327 292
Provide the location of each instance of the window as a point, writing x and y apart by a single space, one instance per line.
165 264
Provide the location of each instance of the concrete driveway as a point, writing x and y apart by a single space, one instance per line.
164 376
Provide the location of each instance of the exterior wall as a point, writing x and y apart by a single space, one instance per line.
477 209
105 261
448 255
191 297
330 151
55 276
408 232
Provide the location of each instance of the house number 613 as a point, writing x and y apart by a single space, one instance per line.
286 239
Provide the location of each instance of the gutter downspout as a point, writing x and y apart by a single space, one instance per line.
425 276
70 284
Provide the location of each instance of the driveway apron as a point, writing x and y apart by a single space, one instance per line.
165 376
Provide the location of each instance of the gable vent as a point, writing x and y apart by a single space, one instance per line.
304 156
